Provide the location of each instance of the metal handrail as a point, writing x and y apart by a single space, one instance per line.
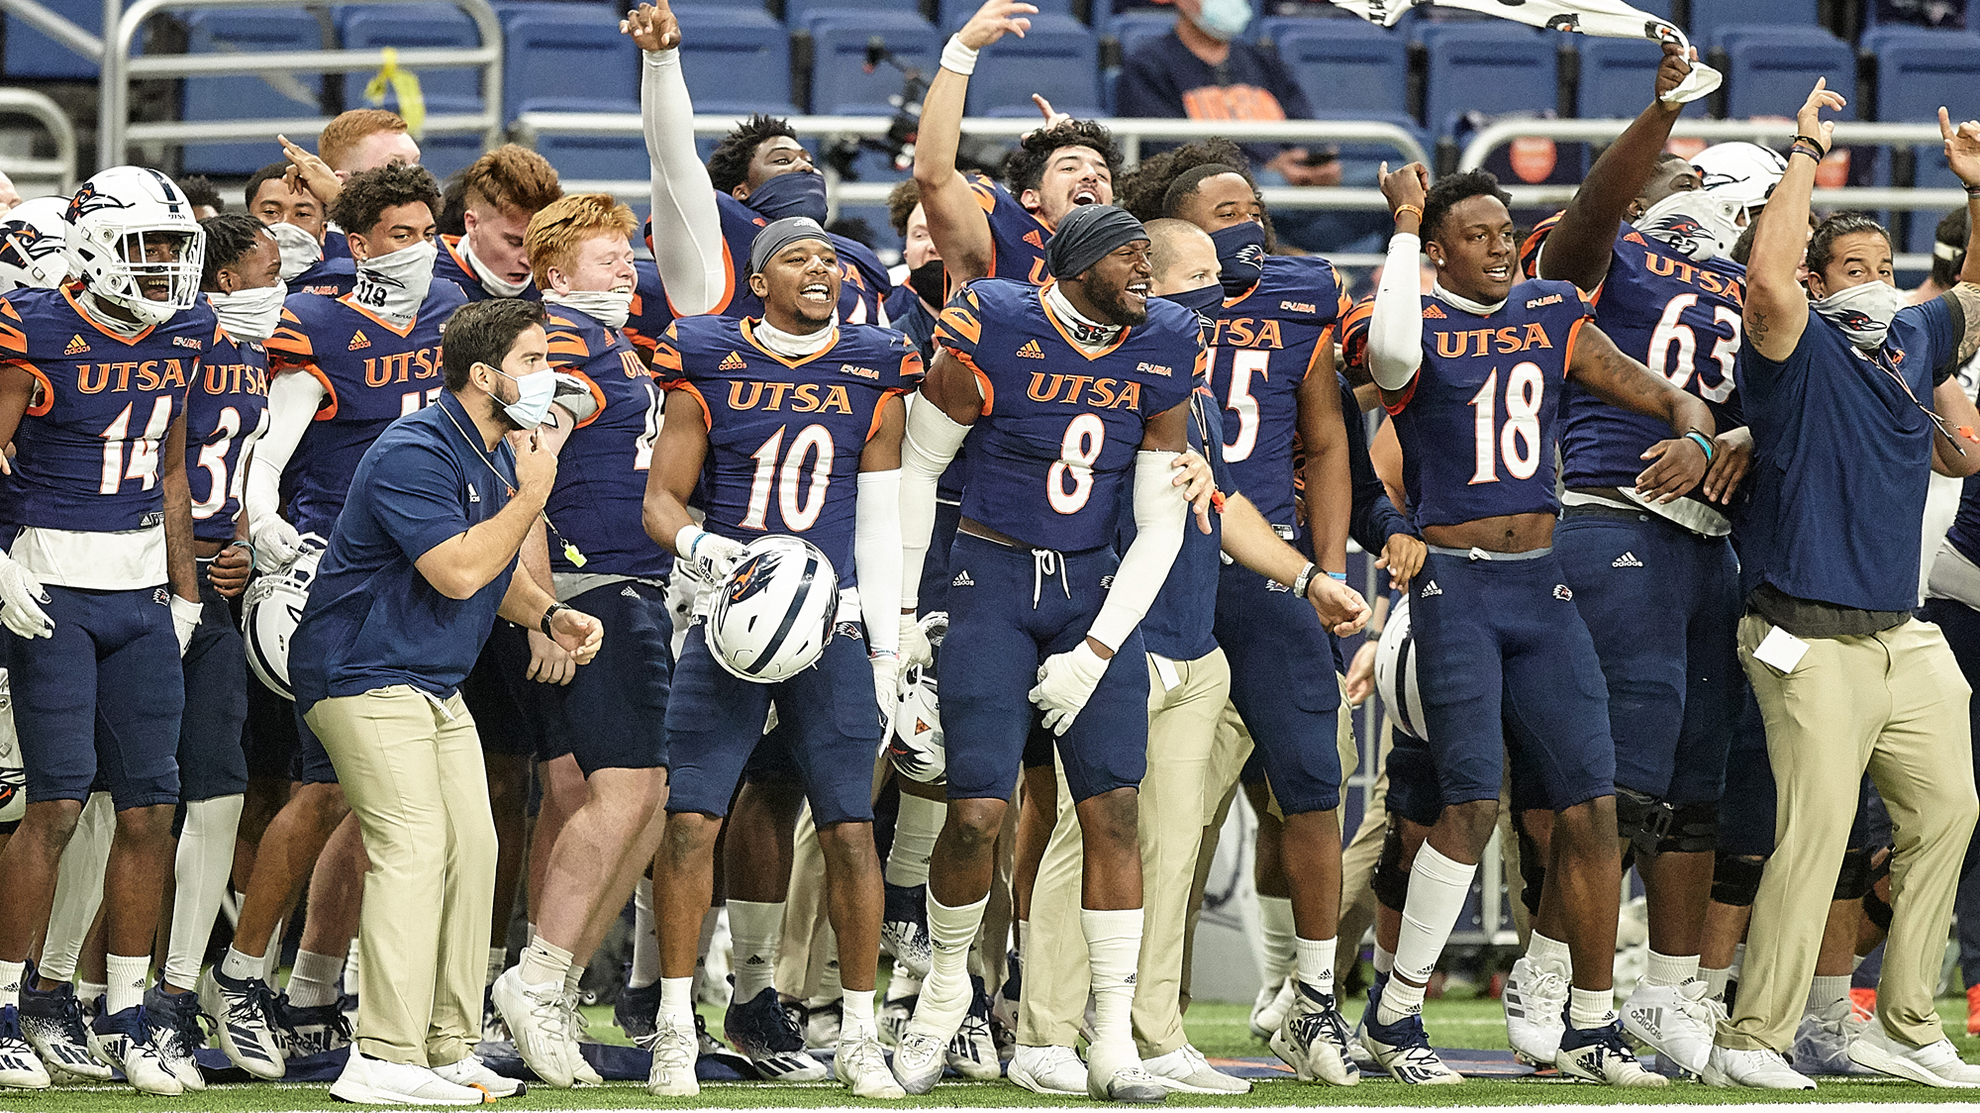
119 68
55 27
59 171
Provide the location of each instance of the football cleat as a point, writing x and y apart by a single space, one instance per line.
577 1028
1535 999
175 1032
1403 1048
1603 1055
973 1049
1313 1039
862 1067
1759 1068
1822 1041
246 1021
920 1060
823 1022
52 1022
770 1037
316 1030
637 1011
897 1009
535 1014
493 1029
706 1040
20 1067
904 928
1268 1013
674 1049
1049 1070
1676 1020
127 1043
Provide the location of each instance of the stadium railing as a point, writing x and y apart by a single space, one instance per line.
39 176
120 69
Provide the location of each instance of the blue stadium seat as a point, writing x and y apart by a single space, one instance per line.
735 59
1493 67
570 62
952 14
1058 58
1709 16
1769 69
1348 65
840 84
596 157
1919 70
423 25
247 31
509 10
798 13
1134 28
30 53
1618 77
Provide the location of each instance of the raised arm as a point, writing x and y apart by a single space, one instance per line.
1395 327
687 227
1776 306
1579 248
1963 155
1680 462
957 224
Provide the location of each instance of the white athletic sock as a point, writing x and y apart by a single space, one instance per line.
645 947
234 964
1438 887
677 1000
1023 938
1385 960
1278 949
1856 963
543 964
11 974
573 978
1113 945
313 981
1671 969
1316 964
1550 954
757 927
1826 990
945 993
90 991
498 961
271 955
351 963
914 839
1715 980
857 1017
130 976
829 986
204 861
711 921
1590 1008
1739 959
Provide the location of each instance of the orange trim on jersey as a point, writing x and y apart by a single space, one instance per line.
564 342
1408 392
47 389
1119 339
12 338
323 412
728 283
1324 344
1567 355
69 293
381 322
791 363
880 411
707 418
965 323
597 395
982 381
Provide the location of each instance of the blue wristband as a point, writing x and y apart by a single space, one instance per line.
1702 441
1341 576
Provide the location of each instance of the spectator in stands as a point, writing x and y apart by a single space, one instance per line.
205 198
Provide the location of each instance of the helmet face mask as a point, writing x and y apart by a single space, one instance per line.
130 230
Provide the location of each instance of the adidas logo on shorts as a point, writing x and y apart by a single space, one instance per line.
1627 560
629 593
1430 589
962 580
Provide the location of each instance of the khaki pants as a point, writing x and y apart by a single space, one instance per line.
412 771
1358 861
1182 724
1894 703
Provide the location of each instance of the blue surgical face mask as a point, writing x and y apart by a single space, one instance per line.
1241 255
1224 20
1204 300
795 193
533 394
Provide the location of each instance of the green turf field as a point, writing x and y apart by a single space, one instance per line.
1219 1030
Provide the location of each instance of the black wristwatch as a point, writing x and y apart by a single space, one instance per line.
551 610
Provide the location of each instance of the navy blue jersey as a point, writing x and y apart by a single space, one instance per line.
1479 419
1965 531
452 265
1052 457
1265 343
785 436
372 373
1841 459
863 280
333 278
226 408
1682 319
649 315
88 444
1017 235
1181 623
601 472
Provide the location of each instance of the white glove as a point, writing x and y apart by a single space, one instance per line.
915 647
20 596
709 557
887 689
185 619
1065 682
276 543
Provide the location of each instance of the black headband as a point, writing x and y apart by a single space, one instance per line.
1087 235
780 234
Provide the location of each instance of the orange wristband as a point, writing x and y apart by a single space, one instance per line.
1401 209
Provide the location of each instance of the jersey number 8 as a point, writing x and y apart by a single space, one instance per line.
1079 449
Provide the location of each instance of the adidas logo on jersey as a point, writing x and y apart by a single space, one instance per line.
1562 593
1031 350
359 341
1432 313
732 362
77 346
1430 589
1635 238
1627 560
962 580
1106 582
1034 239
473 495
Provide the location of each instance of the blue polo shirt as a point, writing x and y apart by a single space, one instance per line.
1179 624
372 620
1842 458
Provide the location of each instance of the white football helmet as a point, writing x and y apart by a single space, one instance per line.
1744 172
773 616
128 210
33 245
13 774
1396 679
270 610
916 748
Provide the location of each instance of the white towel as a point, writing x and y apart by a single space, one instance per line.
1610 19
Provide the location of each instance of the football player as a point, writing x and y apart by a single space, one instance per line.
299 222
502 190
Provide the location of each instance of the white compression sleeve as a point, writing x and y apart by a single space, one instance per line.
1159 512
292 401
933 439
877 558
687 227
1395 330
205 860
78 887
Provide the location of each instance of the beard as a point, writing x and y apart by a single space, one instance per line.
1113 305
